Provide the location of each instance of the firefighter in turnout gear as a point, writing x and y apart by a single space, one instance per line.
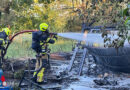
4 34
40 41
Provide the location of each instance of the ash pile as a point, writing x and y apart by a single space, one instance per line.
94 76
81 72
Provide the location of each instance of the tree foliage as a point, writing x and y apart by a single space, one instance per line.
62 15
123 35
28 14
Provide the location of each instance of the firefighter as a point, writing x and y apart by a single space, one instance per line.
40 41
4 34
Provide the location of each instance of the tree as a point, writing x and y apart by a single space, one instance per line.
123 26
4 10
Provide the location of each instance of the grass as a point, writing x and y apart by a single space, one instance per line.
21 46
62 45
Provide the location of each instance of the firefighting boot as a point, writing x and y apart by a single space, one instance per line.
37 66
40 76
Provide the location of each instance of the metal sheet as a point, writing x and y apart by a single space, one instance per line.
111 59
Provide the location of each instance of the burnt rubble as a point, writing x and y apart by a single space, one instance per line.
58 77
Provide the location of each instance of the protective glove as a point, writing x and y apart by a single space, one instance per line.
55 36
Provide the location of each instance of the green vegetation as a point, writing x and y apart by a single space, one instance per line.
21 47
62 16
62 45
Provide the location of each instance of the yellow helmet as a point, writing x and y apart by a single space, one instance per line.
6 30
43 26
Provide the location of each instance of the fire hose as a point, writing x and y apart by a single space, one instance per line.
24 31
5 50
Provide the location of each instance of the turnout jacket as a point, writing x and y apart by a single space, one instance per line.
40 40
3 38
